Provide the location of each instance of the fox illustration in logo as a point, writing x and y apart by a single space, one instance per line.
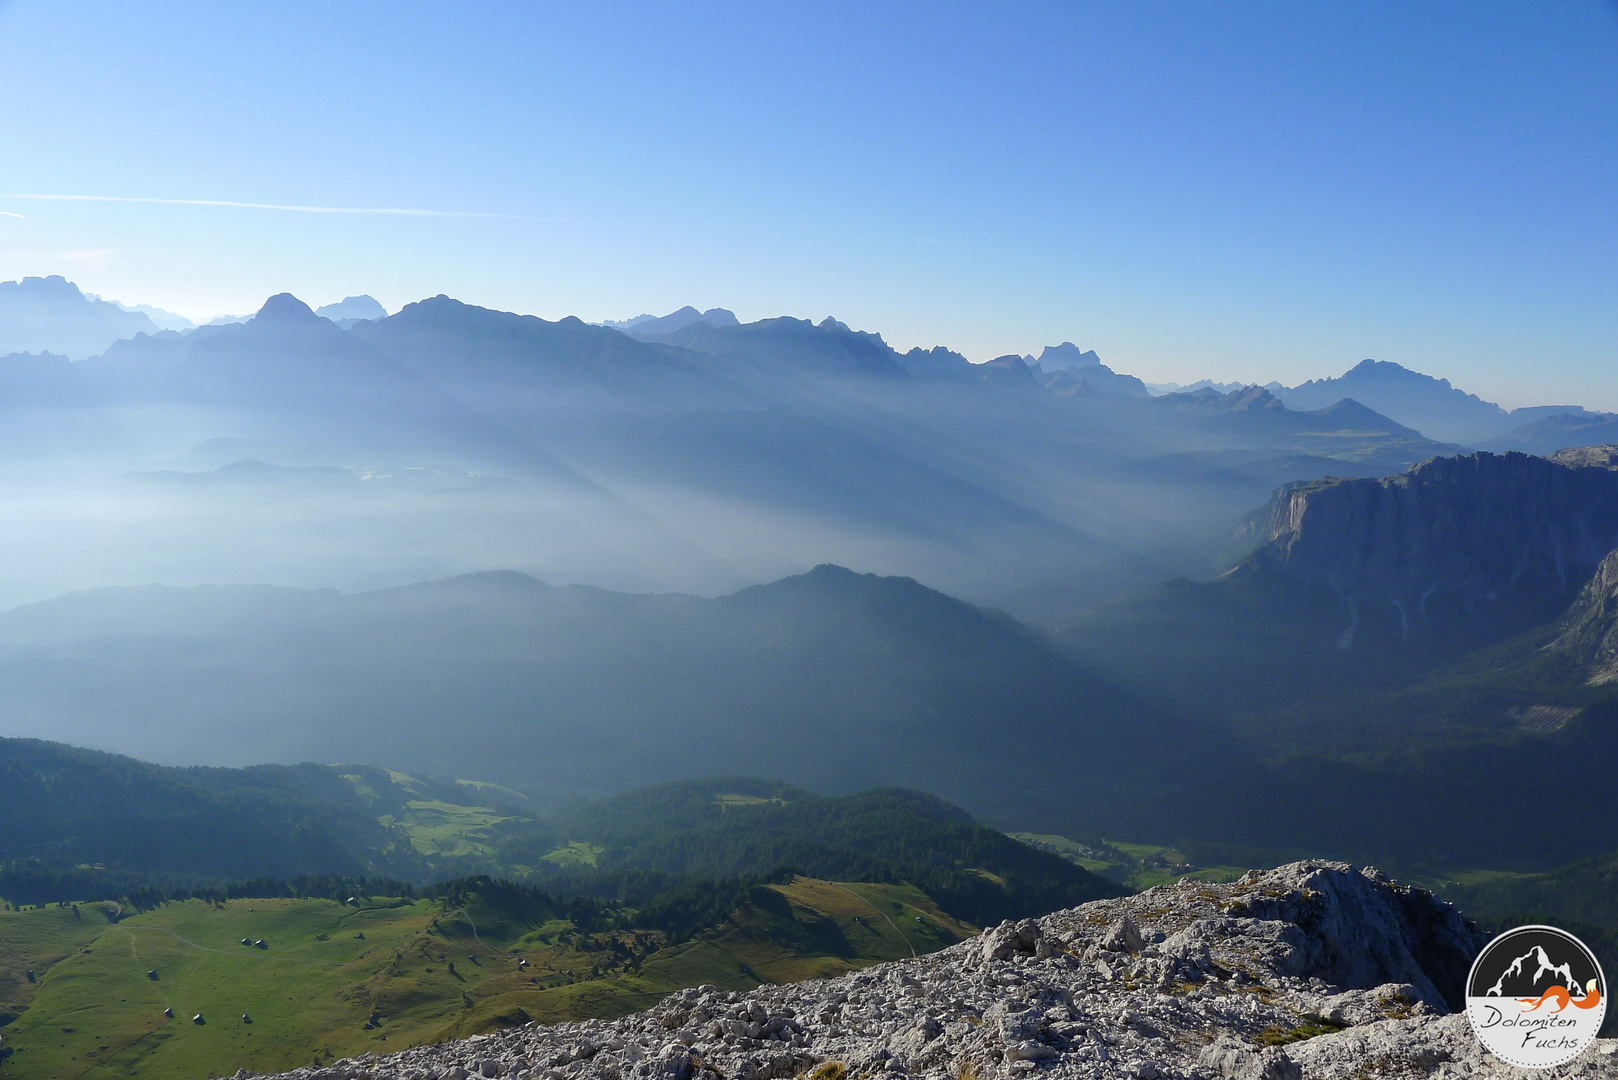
1560 995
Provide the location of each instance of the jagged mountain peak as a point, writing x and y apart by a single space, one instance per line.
1516 979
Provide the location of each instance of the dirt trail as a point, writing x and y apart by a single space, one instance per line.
882 913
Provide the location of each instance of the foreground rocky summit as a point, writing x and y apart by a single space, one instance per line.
1310 970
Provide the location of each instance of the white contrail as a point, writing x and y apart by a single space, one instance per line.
260 206
8 213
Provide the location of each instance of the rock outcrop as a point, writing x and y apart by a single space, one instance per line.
1477 530
1588 457
1310 970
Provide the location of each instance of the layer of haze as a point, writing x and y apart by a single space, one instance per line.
1270 191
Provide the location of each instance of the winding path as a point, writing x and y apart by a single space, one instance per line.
882 913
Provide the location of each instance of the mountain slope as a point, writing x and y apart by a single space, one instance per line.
1240 980
71 807
738 827
831 680
1589 631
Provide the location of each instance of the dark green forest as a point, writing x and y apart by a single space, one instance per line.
89 825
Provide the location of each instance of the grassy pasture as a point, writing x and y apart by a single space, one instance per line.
574 853
427 974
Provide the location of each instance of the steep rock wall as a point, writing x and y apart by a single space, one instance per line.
1478 528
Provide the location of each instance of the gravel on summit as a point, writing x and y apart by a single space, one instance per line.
1309 970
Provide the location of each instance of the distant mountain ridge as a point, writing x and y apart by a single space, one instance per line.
352 309
1450 415
50 314
816 442
1430 405
1557 429
655 325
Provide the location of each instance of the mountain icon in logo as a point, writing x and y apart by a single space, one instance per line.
1516 982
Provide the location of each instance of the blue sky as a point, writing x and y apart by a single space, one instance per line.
1197 190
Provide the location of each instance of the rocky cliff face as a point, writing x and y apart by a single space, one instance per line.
1478 529
1310 970
1590 629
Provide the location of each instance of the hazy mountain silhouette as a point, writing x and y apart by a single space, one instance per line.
654 325
164 320
797 346
1431 406
705 457
352 309
1094 378
1067 355
1557 428
51 315
314 393
510 363
842 680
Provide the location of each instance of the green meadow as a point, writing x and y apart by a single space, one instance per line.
333 980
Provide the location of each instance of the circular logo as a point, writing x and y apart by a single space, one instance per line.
1536 997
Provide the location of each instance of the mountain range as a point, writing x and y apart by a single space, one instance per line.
1106 622
51 315
702 458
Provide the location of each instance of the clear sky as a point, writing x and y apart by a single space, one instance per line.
1234 191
